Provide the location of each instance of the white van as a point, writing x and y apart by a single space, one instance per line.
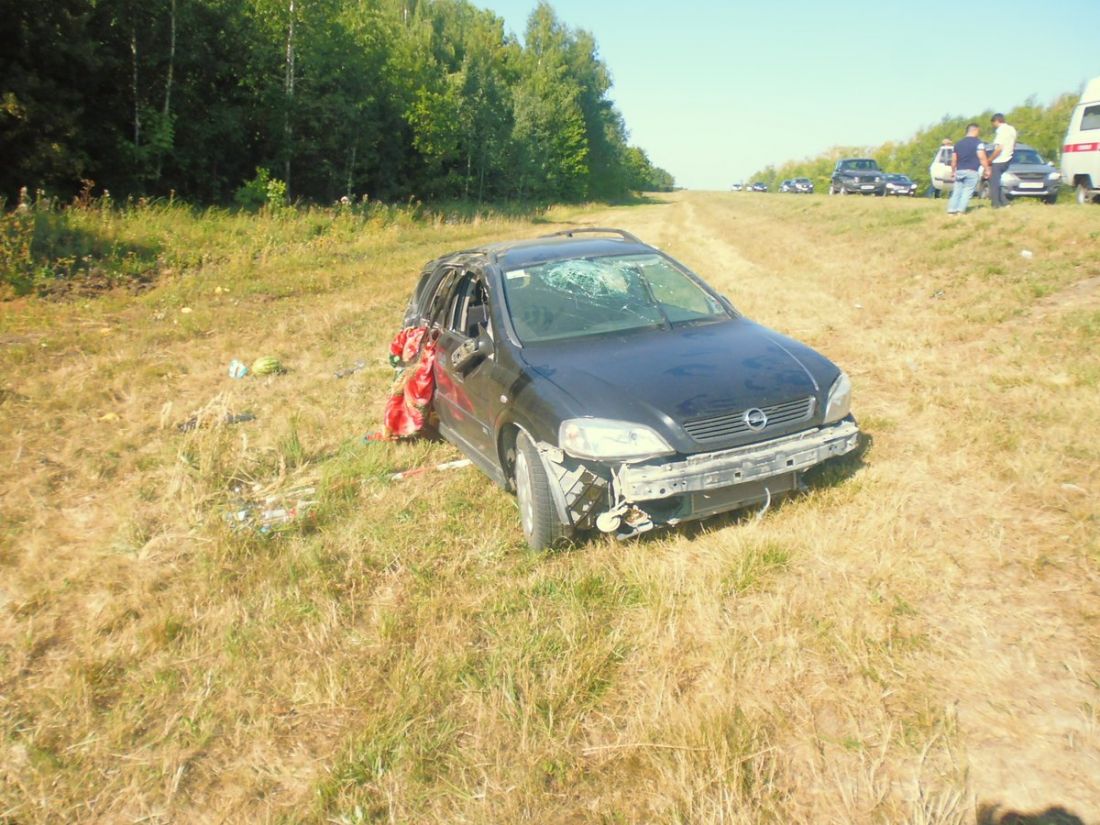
939 172
1081 148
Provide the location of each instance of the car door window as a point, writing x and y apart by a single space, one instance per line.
468 310
441 298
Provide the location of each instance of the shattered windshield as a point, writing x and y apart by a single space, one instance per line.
587 296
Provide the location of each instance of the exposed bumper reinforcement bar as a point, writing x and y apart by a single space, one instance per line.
710 471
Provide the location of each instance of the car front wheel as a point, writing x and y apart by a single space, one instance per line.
541 526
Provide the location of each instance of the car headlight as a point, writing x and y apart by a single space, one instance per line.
840 399
1054 176
603 439
1009 179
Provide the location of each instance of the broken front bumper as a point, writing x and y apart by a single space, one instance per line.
637 495
708 471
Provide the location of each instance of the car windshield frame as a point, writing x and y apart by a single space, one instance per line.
577 297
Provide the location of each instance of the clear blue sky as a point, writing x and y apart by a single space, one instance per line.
714 91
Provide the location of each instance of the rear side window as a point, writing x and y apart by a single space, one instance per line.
1090 118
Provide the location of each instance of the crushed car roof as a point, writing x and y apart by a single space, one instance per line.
583 243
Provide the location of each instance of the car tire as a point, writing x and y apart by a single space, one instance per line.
843 191
1084 194
541 526
1051 199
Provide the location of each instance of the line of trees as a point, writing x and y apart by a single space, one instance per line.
390 99
1041 127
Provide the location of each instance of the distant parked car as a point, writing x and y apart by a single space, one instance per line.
736 187
1029 176
802 186
900 185
939 171
786 186
760 186
861 176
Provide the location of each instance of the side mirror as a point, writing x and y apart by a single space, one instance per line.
471 352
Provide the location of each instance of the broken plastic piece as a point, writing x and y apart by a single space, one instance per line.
346 371
415 471
193 422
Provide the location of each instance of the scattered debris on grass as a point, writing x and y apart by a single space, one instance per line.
256 510
264 365
214 413
415 471
193 422
346 371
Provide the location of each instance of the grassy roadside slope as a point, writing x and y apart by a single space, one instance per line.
913 638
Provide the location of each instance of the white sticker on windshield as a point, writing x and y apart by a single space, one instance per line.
513 274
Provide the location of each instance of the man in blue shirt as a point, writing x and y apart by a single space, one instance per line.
967 161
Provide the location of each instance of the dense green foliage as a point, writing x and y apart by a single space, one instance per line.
389 99
1039 126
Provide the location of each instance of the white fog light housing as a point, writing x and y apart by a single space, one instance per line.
1055 176
603 439
840 399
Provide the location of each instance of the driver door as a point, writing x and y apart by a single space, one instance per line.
467 392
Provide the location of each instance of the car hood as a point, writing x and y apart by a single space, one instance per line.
1031 168
859 173
664 377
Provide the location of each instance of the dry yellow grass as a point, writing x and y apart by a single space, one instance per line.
914 640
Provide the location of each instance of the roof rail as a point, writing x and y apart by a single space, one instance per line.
606 230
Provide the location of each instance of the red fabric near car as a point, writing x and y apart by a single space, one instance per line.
409 404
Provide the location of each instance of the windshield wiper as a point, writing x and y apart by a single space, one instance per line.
667 325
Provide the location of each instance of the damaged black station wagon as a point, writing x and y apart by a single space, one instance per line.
612 389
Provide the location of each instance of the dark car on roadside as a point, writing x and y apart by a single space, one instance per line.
860 176
1028 176
786 186
612 389
901 185
759 186
802 186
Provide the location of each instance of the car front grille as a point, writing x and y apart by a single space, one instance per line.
730 425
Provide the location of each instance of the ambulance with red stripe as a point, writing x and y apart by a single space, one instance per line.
1081 148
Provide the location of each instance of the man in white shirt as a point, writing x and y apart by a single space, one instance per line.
1004 144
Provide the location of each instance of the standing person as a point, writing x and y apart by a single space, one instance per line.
1004 144
967 161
